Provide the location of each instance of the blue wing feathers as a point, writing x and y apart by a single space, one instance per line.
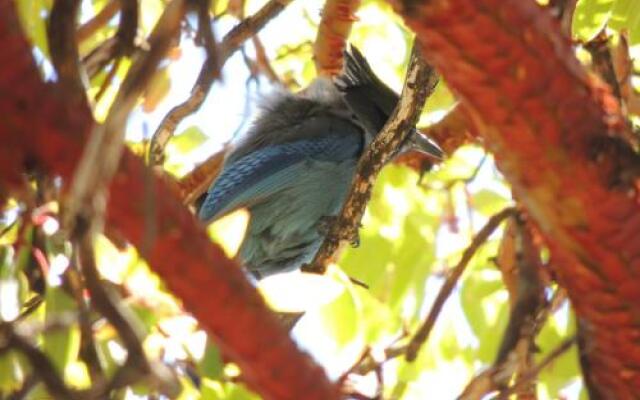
266 171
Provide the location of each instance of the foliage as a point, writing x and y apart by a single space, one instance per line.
415 229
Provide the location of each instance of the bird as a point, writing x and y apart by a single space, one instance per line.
293 168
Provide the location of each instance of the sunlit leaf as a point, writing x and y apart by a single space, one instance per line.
61 345
11 373
626 15
590 17
341 318
188 139
157 90
33 15
489 202
211 366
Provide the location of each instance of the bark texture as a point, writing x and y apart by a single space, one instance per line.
556 133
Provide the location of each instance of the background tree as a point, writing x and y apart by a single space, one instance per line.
95 245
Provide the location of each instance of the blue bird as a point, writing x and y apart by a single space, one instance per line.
295 165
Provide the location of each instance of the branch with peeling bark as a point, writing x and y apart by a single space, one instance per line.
420 81
559 140
333 31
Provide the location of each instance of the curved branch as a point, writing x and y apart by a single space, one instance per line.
419 84
231 42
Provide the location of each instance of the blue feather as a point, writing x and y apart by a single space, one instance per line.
259 175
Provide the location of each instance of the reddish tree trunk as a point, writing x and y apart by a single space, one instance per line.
554 132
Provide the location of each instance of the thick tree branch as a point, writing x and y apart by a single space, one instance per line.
419 84
558 137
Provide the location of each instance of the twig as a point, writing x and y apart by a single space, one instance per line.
466 180
88 352
263 61
231 42
564 10
122 43
531 375
107 80
98 20
529 294
206 37
602 61
102 153
623 67
27 384
370 364
419 84
108 306
127 26
12 338
423 333
61 34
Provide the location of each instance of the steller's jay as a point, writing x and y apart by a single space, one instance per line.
295 165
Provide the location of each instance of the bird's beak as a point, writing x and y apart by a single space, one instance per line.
419 142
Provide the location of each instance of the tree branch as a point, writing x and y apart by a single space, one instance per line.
231 42
98 21
559 139
102 154
419 84
333 31
423 332
61 34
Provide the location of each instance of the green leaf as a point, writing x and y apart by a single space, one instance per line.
626 15
33 16
189 139
341 317
211 365
565 368
239 392
211 390
590 17
11 373
61 345
487 202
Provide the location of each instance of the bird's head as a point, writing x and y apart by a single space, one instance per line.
372 102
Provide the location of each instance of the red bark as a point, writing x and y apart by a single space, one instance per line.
553 131
40 128
333 31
